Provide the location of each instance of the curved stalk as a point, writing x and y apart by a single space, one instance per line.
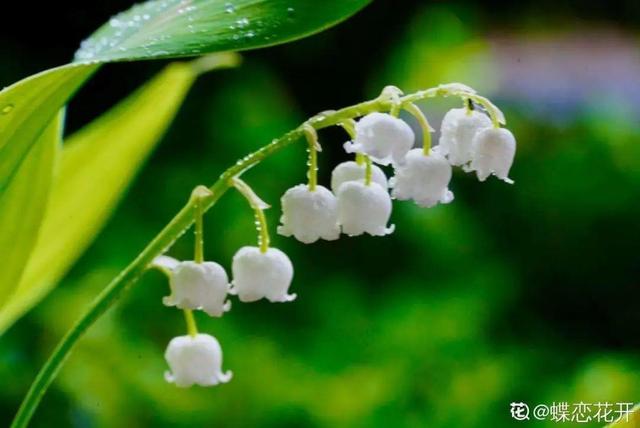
184 219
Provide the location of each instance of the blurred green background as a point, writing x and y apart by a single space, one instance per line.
512 293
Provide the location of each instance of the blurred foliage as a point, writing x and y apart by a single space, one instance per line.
523 293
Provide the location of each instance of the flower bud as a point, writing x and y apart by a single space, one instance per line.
457 132
309 215
493 153
423 178
258 275
195 360
351 171
382 137
364 209
199 286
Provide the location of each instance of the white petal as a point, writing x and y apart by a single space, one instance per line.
165 262
423 179
382 137
309 215
199 286
493 153
351 171
364 209
457 132
258 275
195 360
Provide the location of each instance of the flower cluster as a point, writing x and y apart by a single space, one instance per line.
358 202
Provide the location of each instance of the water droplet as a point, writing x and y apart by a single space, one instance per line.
250 34
242 22
7 109
229 8
291 11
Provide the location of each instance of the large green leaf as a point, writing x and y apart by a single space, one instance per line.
29 187
170 28
156 29
96 165
29 134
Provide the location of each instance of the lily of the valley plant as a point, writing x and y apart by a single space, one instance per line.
358 201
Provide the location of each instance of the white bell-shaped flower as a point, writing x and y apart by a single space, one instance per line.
309 215
199 286
258 275
425 179
382 137
457 132
364 209
351 171
195 360
493 153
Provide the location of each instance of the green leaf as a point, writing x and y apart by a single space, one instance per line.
156 29
170 28
29 134
24 200
96 166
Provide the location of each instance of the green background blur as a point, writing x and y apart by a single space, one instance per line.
511 293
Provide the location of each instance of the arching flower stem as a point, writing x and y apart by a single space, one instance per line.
367 170
198 195
258 206
312 140
424 126
185 219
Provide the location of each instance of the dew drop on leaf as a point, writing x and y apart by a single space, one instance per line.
7 109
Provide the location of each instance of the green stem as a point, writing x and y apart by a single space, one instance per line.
312 140
258 206
349 126
424 125
368 173
192 328
198 195
178 225
263 236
